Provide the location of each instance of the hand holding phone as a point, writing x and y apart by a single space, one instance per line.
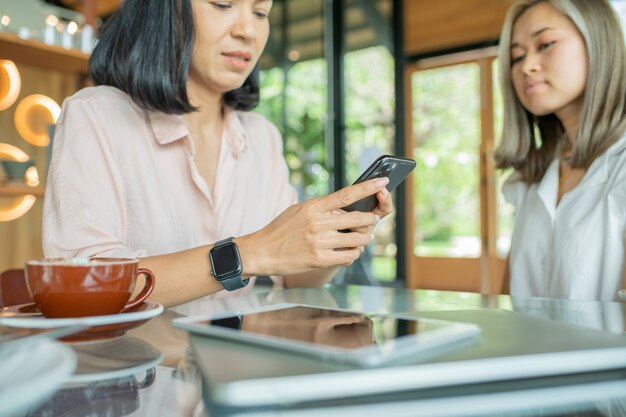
393 167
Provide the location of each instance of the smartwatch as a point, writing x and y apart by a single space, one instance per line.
226 264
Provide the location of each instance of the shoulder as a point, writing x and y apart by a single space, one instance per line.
514 189
259 129
252 121
618 150
104 98
616 166
613 162
100 114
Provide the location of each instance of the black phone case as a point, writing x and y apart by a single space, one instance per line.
393 167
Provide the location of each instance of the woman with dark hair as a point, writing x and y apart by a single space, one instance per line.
161 160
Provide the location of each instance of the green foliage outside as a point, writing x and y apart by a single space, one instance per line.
299 111
506 211
446 120
296 101
370 107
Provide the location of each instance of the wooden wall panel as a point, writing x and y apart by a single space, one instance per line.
439 25
21 239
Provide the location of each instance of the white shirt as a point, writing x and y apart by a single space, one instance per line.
575 249
123 181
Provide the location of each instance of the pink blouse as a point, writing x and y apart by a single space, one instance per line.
122 181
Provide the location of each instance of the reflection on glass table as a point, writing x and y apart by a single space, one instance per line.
175 388
335 335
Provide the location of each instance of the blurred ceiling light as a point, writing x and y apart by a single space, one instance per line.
10 83
32 177
5 20
72 28
12 152
17 208
33 117
293 55
52 20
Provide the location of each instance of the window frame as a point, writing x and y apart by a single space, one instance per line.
485 273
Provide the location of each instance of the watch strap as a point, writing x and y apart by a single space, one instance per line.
234 283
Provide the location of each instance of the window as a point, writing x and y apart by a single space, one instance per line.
446 132
461 224
295 95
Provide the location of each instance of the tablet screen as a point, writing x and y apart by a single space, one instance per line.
340 329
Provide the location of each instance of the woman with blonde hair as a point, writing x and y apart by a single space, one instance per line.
563 68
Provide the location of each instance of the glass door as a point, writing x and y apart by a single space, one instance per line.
458 223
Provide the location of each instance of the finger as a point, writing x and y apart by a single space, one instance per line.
351 240
352 221
352 194
385 203
338 239
342 257
363 229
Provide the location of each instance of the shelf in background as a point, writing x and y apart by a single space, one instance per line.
36 53
20 189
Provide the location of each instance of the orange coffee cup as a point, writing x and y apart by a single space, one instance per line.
81 287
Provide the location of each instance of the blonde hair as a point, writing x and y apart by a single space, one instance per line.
530 143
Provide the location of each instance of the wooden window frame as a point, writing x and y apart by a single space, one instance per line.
483 274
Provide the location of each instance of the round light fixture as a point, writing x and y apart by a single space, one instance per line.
10 83
33 116
17 207
13 152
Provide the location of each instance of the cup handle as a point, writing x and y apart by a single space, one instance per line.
147 289
148 379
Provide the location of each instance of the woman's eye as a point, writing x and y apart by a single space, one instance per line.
261 14
545 45
516 59
221 5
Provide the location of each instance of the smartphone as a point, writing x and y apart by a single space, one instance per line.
393 167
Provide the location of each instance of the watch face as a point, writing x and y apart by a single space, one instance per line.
225 260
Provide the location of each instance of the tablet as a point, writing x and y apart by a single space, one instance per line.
336 335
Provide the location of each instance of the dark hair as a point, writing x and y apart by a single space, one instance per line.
145 50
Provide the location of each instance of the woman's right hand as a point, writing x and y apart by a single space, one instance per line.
307 235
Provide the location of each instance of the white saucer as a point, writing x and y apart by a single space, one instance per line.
12 317
28 376
113 358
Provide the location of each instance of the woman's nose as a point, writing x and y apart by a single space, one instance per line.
530 65
244 26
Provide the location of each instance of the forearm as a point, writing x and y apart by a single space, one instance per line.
181 276
311 279
185 276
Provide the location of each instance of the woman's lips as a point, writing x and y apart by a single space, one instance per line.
533 87
238 59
